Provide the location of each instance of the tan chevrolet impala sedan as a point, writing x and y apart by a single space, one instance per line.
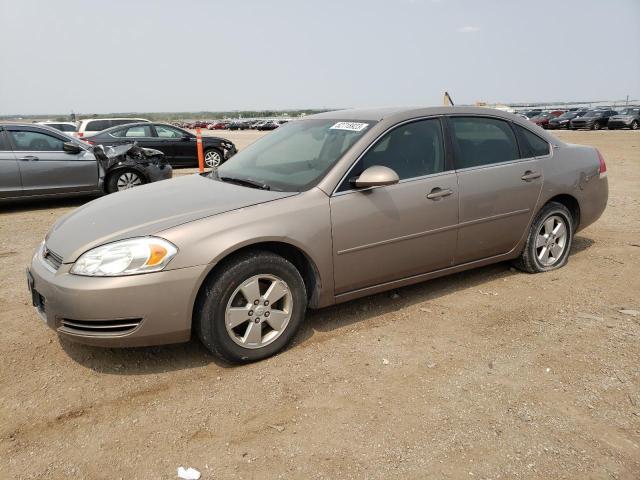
323 210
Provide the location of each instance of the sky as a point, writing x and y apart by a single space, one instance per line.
198 55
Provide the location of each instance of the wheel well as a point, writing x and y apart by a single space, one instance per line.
297 257
572 205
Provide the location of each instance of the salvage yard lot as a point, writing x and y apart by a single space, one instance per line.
486 374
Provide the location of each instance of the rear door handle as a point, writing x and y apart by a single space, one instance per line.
530 175
28 158
437 193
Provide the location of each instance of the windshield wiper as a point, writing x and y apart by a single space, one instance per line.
247 182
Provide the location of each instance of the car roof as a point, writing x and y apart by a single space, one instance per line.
136 124
115 118
399 113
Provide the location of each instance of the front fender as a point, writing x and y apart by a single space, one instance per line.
302 221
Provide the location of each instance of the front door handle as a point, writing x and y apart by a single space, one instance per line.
28 158
437 193
530 175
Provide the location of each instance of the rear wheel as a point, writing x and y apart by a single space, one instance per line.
124 180
549 240
252 308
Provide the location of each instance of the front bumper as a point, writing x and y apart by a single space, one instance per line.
582 125
557 126
230 152
156 173
618 124
129 311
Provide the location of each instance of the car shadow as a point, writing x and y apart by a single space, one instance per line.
166 358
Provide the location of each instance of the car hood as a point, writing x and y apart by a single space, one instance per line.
147 210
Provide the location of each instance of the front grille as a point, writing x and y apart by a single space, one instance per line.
51 258
100 327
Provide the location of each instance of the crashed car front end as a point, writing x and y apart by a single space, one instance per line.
149 163
228 148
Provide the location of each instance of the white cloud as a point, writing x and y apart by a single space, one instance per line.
468 29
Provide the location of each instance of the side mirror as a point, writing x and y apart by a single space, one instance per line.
71 147
376 176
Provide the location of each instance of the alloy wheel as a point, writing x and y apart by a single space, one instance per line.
258 311
551 240
128 180
212 159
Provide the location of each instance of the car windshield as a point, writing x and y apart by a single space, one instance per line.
295 156
592 114
567 115
630 111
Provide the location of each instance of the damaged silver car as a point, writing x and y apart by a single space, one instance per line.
39 162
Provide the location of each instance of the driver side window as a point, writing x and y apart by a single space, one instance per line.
411 150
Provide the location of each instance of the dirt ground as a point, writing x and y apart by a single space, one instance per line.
488 374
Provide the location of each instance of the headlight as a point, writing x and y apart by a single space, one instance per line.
126 257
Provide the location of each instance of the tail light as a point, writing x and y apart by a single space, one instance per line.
89 142
603 165
80 134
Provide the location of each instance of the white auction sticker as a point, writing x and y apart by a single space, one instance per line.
351 126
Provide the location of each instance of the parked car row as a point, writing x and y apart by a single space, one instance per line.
39 161
260 124
178 145
594 119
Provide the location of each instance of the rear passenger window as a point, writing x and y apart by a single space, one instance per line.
411 150
531 145
482 141
138 131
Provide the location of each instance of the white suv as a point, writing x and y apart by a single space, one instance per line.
91 126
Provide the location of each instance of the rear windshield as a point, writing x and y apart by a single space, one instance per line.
97 125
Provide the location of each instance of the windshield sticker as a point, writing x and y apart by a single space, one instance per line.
351 126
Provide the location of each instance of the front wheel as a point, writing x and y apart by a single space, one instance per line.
549 240
212 158
252 308
124 180
596 126
634 125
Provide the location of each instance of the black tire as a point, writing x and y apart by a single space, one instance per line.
595 126
213 151
112 179
634 125
528 260
216 292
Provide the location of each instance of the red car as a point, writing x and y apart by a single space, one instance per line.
542 120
